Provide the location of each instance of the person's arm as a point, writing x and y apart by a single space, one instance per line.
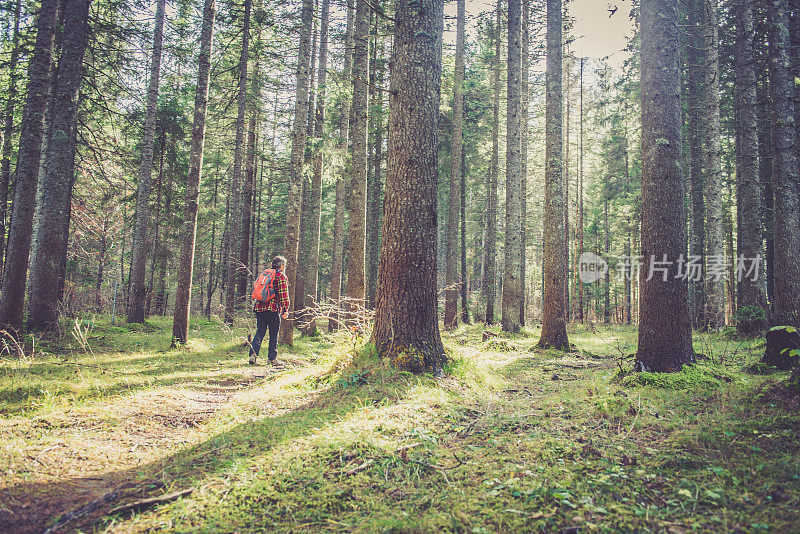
283 293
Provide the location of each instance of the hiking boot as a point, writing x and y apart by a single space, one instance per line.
275 363
252 359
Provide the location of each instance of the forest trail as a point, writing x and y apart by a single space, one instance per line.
513 439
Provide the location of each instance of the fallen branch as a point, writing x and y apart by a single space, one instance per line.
144 504
359 468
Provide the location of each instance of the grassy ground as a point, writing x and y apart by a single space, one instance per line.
513 440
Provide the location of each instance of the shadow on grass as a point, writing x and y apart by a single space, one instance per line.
30 507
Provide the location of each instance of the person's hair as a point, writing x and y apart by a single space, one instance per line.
278 261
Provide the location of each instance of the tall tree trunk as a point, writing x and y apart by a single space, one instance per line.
8 132
376 184
358 185
695 70
292 236
136 309
525 88
490 271
341 170
579 203
765 160
237 181
512 287
750 237
786 306
54 202
248 191
12 298
607 252
315 207
453 213
665 340
554 327
406 321
714 284
568 80
183 292
465 282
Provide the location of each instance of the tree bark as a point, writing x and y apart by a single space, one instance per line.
8 132
525 88
315 207
752 292
554 328
406 321
12 298
54 202
136 309
490 271
714 245
453 213
512 287
356 244
665 340
235 237
341 170
183 292
292 236
786 305
376 183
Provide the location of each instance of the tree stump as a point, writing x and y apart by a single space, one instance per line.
783 347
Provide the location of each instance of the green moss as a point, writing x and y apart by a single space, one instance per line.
691 377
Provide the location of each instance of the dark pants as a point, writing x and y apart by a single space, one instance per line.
264 320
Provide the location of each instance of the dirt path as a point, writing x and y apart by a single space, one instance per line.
86 459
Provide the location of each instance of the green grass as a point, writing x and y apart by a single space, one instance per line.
513 439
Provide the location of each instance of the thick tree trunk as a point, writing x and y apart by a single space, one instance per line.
665 340
750 235
554 328
8 132
453 213
356 244
341 170
54 202
714 283
183 293
292 236
376 184
12 298
315 207
512 287
406 322
235 191
786 305
490 271
136 309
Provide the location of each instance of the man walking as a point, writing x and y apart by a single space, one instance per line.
271 293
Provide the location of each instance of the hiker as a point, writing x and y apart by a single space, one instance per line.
271 295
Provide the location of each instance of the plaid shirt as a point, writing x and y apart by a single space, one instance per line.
281 296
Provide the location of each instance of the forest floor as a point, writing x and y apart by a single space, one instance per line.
514 439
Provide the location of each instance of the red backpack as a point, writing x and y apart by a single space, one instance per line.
264 286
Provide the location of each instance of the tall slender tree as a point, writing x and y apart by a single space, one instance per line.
406 320
490 249
453 213
183 292
525 88
554 327
235 237
136 308
54 202
292 235
751 290
8 130
337 253
665 340
12 298
512 287
357 237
